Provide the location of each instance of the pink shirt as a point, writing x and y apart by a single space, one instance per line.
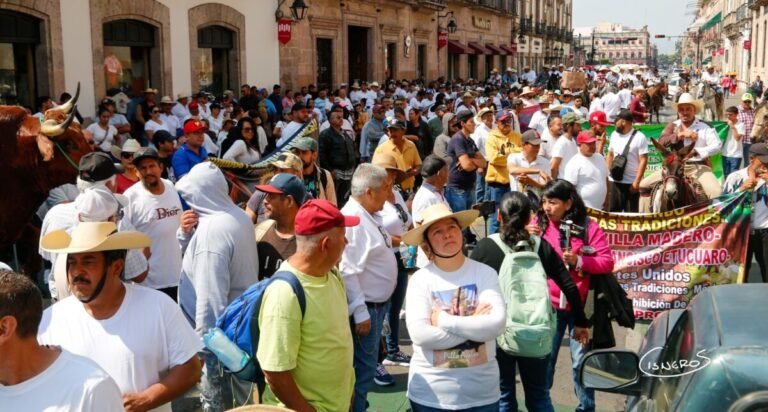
599 264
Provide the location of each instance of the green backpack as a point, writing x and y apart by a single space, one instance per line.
531 321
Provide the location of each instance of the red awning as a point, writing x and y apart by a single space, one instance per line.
507 49
457 47
495 49
478 48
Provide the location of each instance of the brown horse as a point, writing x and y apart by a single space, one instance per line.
675 189
760 127
655 100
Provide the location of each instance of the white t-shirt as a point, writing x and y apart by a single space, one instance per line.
239 152
458 377
519 160
539 122
611 105
625 96
547 144
103 138
480 135
759 211
425 197
732 147
140 343
638 148
171 123
589 175
565 149
159 217
392 218
154 126
70 383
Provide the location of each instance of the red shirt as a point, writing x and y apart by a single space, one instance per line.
123 183
637 107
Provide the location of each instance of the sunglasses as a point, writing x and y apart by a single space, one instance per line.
126 155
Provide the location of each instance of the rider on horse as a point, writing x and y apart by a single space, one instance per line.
690 131
712 78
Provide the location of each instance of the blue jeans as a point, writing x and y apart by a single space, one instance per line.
480 187
495 193
459 200
745 147
730 165
395 304
494 407
533 374
219 390
367 354
586 396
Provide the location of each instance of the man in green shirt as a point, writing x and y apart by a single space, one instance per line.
297 354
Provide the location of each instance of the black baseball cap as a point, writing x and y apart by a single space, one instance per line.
144 153
98 166
431 166
624 114
162 136
298 106
396 124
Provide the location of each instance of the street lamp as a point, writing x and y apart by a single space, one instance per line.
452 26
299 10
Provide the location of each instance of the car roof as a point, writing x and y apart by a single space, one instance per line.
735 313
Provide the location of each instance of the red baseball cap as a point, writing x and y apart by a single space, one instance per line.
193 104
194 126
586 137
599 118
317 216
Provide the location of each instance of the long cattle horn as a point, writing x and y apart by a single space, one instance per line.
67 107
51 129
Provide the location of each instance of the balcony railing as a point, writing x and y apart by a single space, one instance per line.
435 4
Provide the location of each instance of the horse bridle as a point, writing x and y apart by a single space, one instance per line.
682 183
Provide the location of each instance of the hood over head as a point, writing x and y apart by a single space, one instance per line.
446 119
205 190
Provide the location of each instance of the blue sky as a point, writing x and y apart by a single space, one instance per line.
669 17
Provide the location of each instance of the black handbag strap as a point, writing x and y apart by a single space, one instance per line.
626 148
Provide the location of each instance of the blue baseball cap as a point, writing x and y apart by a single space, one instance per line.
285 184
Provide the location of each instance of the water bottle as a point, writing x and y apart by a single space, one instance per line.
405 254
386 330
412 251
229 354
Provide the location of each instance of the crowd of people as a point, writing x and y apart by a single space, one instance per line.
148 249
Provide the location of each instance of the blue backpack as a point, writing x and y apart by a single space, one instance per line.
240 321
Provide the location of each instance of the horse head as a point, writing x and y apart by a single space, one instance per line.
673 169
700 88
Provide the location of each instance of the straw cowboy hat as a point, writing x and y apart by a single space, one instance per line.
93 237
434 214
687 98
526 90
481 113
553 108
130 146
388 162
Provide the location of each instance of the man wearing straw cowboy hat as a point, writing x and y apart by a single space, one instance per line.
136 334
691 131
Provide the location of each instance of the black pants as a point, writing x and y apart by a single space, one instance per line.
758 247
623 199
343 188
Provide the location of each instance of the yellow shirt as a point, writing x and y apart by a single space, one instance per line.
406 159
498 147
317 351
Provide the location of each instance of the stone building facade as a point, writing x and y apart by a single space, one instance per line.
614 44
176 46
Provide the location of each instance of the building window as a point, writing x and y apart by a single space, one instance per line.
390 57
453 65
217 67
421 63
19 39
131 58
472 66
488 65
324 53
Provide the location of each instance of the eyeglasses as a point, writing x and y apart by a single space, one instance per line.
126 155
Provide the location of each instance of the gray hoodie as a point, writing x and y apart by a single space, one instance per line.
441 143
220 261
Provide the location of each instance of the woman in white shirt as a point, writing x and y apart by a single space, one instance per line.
243 143
155 123
103 133
216 119
454 313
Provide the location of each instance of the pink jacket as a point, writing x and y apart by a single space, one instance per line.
599 264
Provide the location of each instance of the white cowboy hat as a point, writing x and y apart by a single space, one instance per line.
93 237
130 146
481 113
687 98
553 108
526 90
603 67
166 100
374 84
638 89
435 213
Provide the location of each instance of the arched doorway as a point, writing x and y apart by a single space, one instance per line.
131 57
217 65
20 38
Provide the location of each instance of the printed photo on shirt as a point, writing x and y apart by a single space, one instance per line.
461 301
